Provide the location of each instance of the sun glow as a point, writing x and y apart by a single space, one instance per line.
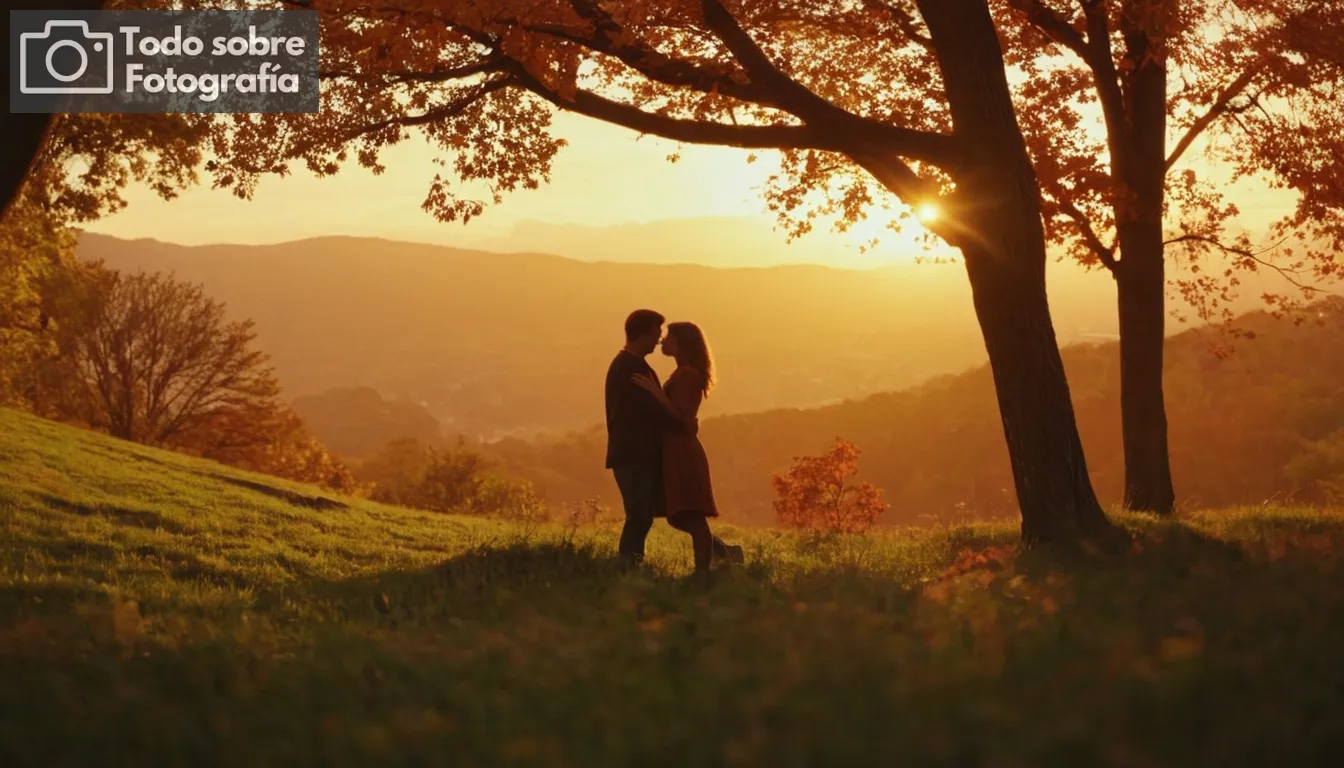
927 213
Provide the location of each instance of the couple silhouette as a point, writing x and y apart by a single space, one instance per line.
653 447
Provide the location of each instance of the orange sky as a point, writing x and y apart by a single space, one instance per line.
606 176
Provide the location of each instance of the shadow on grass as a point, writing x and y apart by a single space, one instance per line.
487 582
140 518
1190 650
19 601
287 496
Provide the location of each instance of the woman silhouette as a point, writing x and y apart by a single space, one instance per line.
688 493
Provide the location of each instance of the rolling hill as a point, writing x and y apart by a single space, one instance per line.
495 344
160 610
1266 423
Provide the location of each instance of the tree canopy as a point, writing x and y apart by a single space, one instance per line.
1255 85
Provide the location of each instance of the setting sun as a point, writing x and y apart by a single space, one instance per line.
927 213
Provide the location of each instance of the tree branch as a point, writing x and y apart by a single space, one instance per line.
1103 253
689 131
486 65
791 95
1097 53
903 20
609 38
1216 110
1287 274
935 148
1054 27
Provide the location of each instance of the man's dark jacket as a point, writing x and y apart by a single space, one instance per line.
635 420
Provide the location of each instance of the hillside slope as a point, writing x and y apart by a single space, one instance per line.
101 512
156 610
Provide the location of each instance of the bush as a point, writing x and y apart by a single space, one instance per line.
456 479
813 495
508 499
586 513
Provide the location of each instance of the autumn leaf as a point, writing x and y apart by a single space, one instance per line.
1181 647
127 623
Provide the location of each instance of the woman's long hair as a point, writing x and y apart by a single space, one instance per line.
693 350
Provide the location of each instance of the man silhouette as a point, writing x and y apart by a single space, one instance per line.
636 423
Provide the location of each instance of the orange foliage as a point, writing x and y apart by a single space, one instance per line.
812 494
270 439
1252 84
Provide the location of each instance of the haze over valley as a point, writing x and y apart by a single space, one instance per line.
496 344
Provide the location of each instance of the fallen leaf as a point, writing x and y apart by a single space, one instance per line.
1181 647
126 621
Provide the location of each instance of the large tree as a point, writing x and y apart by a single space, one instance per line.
159 360
1259 84
77 173
856 96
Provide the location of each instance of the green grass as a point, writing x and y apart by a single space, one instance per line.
160 610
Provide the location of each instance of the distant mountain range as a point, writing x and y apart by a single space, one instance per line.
496 344
723 241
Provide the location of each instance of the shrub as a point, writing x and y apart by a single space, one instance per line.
586 513
508 499
813 494
454 479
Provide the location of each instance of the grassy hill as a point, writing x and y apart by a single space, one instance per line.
157 610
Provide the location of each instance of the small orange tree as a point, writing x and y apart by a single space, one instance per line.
812 494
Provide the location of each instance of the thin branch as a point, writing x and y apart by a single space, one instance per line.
904 21
486 65
655 65
1104 254
1287 274
437 114
794 97
1052 24
1216 110
1099 57
689 131
611 38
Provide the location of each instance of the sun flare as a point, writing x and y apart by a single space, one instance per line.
927 213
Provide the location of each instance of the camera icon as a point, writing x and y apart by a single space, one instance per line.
65 57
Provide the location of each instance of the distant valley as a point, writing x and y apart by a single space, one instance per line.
500 344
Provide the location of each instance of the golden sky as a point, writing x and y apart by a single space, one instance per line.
607 176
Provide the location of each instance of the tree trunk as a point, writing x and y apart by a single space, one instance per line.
21 136
996 210
1141 288
1054 491
1140 273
